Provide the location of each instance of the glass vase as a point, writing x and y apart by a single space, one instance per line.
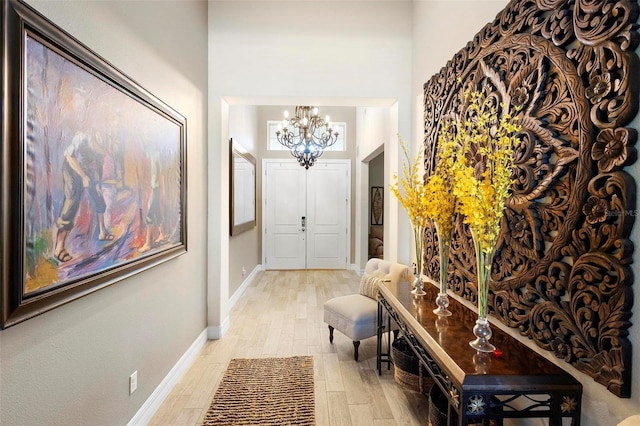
442 300
417 285
418 235
482 329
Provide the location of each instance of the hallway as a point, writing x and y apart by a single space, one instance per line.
279 315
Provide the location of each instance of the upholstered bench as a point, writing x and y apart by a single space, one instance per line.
356 315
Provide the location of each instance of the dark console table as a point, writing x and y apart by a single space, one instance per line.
520 383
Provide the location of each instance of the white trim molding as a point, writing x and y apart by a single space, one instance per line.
157 397
245 284
356 269
215 332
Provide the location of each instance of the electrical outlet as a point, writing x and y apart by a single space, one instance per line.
133 382
244 271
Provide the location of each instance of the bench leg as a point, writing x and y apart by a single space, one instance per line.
330 334
356 345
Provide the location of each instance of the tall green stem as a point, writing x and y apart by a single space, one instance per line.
442 301
483 268
444 244
418 234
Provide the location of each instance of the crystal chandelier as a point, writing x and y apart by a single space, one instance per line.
306 135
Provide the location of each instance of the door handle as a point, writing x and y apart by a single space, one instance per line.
302 229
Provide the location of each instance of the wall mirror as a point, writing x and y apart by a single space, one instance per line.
242 190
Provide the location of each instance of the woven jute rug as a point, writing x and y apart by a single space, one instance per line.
265 391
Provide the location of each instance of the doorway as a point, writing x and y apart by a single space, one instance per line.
376 206
306 214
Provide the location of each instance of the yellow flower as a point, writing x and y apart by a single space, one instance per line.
410 191
481 175
483 166
439 199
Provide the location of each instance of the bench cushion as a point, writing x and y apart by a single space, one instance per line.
353 315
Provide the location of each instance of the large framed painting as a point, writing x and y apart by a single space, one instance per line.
93 170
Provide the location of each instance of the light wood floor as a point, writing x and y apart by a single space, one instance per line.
281 314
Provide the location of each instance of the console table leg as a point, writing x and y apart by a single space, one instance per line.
379 341
389 341
450 416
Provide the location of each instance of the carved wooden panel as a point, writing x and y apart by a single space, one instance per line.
562 273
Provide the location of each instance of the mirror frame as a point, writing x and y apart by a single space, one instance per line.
237 152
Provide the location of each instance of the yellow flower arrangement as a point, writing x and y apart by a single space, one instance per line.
483 166
439 199
410 190
482 176
440 205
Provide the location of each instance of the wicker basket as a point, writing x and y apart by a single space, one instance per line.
437 407
406 367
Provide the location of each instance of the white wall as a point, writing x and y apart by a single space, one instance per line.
243 127
315 52
373 130
244 248
440 30
71 365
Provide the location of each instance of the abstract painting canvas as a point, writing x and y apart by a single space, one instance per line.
101 175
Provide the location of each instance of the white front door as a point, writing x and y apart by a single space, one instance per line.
284 207
306 214
327 215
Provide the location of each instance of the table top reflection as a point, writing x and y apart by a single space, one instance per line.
447 340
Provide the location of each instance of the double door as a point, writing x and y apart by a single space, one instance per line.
306 214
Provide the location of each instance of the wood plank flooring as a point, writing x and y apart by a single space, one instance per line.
281 314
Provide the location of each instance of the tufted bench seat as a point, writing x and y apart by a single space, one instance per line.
356 315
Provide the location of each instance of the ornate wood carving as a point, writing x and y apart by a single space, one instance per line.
562 273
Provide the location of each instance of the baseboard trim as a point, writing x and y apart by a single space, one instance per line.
243 287
356 269
215 332
157 397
